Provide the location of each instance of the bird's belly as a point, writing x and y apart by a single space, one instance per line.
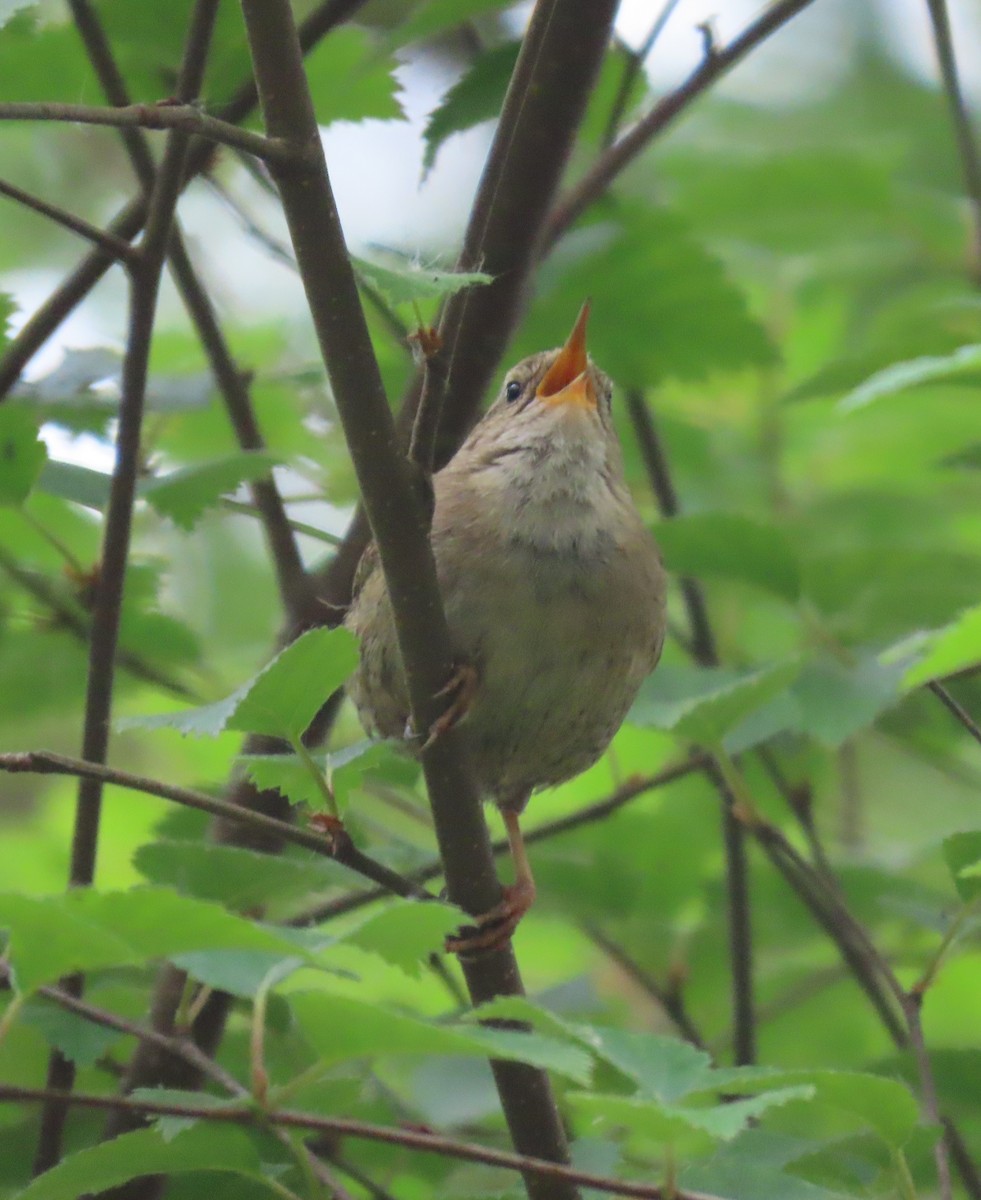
560 657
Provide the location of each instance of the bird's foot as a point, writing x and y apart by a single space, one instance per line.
491 930
331 827
460 689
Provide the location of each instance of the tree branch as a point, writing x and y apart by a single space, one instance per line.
185 117
961 713
116 246
128 223
966 145
613 161
410 1139
585 816
703 650
400 533
341 850
144 287
232 383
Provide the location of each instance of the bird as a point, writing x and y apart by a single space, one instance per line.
554 593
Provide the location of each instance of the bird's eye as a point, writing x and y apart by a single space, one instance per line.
512 391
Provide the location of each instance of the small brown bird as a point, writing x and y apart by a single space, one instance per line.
554 594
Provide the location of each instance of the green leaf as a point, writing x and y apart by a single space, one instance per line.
281 700
186 494
963 365
477 96
351 80
962 851
666 1122
438 16
205 1147
242 879
704 704
406 933
731 547
169 1126
83 930
286 774
835 700
22 454
662 305
71 481
403 284
340 1028
951 649
82 1041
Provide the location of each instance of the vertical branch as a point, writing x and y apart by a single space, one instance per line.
399 529
145 283
966 145
293 584
733 835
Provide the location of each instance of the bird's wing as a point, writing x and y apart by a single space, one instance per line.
368 563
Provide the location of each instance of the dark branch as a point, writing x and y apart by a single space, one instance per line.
598 811
399 529
128 223
144 288
185 117
612 161
341 850
958 710
116 246
410 1139
966 144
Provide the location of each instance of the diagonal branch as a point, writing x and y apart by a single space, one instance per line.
530 1166
613 161
145 284
232 382
116 246
341 849
128 223
966 143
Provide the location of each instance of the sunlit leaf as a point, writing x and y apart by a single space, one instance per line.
704 704
205 1147
475 97
964 364
351 79
22 454
951 650
281 700
402 284
186 494
962 852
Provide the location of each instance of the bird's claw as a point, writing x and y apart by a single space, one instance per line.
492 929
460 689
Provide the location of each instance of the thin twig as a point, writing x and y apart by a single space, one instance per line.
73 617
703 649
144 288
668 999
632 68
117 246
185 117
961 713
233 383
613 161
928 1089
410 1139
130 220
340 849
591 813
966 144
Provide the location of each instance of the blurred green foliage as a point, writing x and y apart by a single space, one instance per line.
791 290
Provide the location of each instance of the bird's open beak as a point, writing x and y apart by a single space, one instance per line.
567 381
